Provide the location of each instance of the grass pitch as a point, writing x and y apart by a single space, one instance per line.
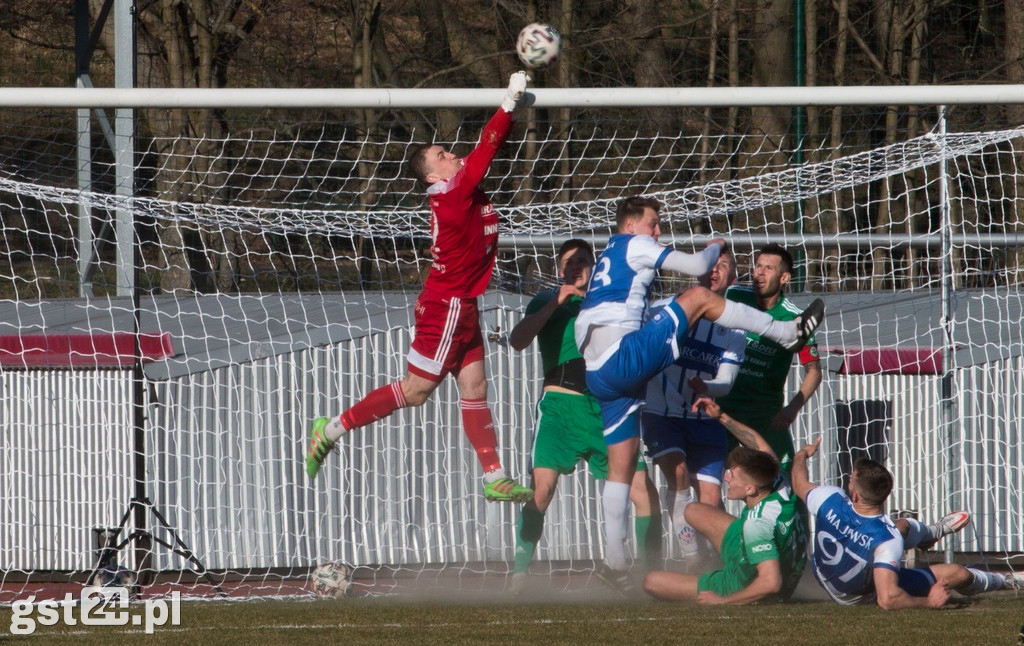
990 619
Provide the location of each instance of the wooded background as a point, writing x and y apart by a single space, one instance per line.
469 43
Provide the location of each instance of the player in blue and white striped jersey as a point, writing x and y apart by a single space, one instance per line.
689 447
856 548
623 350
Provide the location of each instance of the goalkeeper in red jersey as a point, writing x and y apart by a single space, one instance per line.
448 339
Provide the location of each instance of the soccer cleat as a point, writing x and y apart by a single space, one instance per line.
517 585
1014 582
507 490
947 525
618 580
806 323
319 446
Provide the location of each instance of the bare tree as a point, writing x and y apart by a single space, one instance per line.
189 44
1013 61
772 66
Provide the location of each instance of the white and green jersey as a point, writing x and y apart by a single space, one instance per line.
758 393
772 529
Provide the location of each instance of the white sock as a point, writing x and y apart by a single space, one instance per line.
919 533
743 317
494 476
668 498
685 534
334 429
615 501
986 581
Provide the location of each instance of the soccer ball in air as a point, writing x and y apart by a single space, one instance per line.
331 580
538 45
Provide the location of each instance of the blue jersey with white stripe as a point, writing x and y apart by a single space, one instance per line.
848 547
619 286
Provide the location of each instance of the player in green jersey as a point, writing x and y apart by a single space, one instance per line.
569 425
756 398
764 550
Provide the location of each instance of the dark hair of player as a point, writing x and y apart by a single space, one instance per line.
571 245
773 249
633 207
416 162
874 482
762 468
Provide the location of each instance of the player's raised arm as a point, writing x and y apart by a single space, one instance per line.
720 385
695 264
808 385
495 133
527 329
516 91
745 435
799 475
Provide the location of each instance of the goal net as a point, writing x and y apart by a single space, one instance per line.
269 260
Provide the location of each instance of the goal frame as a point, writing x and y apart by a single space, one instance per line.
127 100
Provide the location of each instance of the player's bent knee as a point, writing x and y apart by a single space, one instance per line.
417 398
543 494
696 301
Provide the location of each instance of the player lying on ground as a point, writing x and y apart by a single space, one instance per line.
764 550
568 416
623 351
857 549
448 337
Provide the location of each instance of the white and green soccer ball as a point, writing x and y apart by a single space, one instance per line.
538 45
331 580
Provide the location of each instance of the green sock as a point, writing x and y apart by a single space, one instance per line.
530 527
648 542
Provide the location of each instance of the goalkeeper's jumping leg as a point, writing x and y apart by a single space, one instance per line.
319 446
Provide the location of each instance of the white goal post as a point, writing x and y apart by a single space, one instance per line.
636 97
275 246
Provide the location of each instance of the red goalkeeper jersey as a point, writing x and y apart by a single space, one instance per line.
463 223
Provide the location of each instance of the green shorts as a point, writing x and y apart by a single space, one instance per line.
570 429
733 576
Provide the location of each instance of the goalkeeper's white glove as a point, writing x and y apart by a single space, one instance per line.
516 91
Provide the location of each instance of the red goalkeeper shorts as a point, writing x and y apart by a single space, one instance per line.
448 336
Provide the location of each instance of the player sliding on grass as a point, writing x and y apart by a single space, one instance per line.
857 549
464 226
763 550
623 351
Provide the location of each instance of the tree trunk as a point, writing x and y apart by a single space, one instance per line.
1013 59
366 22
182 45
773 66
917 27
566 79
832 223
705 133
890 28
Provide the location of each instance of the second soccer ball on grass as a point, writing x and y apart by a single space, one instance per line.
331 580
